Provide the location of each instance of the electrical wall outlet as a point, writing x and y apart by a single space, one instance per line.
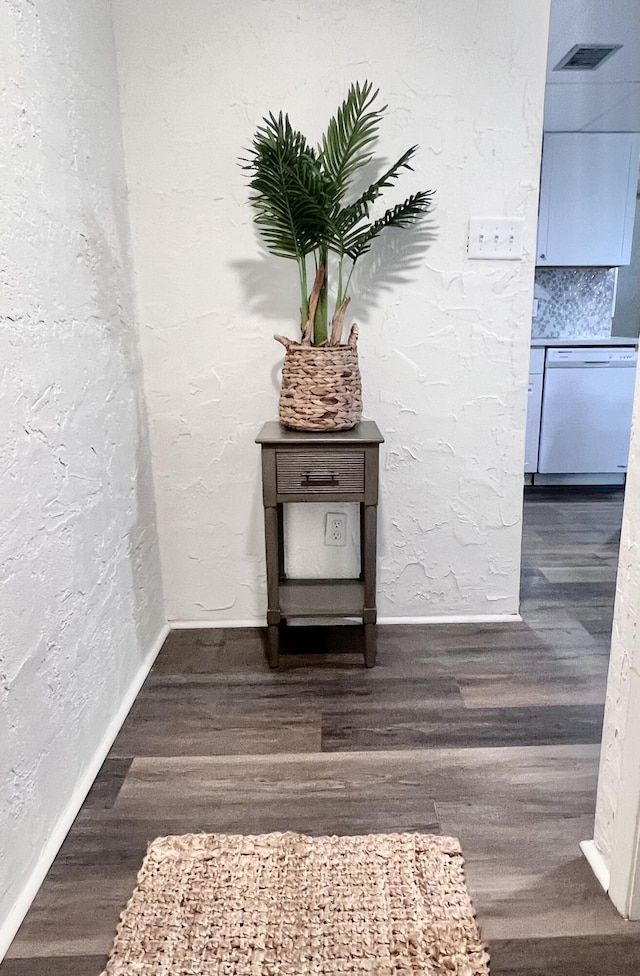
335 530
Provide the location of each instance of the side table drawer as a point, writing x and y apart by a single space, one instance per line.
319 471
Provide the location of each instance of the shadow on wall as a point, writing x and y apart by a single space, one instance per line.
110 287
143 543
391 264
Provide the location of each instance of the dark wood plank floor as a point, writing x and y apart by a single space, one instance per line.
488 732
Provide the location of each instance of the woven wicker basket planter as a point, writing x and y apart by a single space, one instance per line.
321 387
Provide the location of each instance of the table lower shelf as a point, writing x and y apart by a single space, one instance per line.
322 598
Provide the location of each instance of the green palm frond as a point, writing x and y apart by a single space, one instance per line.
346 145
290 197
298 194
402 215
357 211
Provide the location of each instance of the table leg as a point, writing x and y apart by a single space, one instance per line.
370 645
280 527
272 540
273 646
368 542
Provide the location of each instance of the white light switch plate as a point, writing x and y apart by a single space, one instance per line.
495 238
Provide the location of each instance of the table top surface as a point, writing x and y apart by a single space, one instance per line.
366 432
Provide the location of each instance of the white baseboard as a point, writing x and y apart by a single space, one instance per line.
472 618
596 862
200 624
11 924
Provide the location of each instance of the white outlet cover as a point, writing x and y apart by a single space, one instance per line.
495 238
335 533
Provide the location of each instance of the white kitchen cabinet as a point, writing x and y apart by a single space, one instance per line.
587 198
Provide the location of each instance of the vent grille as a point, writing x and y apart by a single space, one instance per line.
586 57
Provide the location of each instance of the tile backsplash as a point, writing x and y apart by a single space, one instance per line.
573 302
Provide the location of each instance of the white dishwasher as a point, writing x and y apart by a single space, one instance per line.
586 410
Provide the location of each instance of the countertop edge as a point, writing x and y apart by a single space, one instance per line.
625 341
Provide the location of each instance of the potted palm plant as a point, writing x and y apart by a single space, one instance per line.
306 212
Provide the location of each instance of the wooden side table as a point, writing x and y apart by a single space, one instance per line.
337 466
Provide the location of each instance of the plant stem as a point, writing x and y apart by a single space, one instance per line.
320 333
346 290
304 306
340 296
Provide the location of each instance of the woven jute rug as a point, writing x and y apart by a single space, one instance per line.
291 905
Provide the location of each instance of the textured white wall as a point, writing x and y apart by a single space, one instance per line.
618 801
80 591
444 343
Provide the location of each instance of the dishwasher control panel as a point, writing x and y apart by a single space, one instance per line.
590 356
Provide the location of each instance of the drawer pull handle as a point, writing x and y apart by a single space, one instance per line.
319 480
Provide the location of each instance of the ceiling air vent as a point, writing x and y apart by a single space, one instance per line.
586 57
